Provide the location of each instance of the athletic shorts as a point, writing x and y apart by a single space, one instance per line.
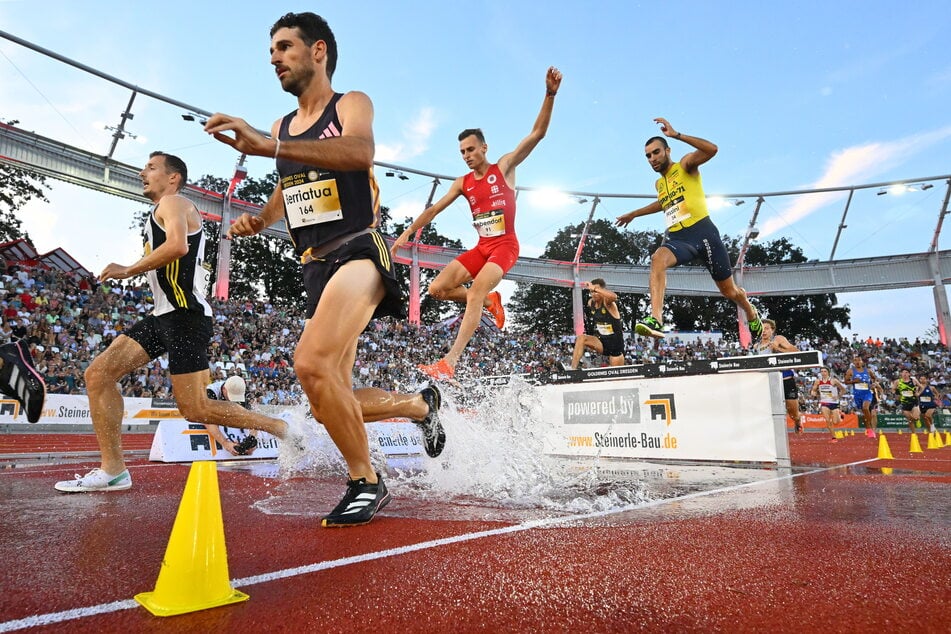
369 246
183 334
702 241
831 406
861 396
503 252
926 408
907 407
790 389
612 346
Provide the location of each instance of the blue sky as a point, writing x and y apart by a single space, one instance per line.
796 95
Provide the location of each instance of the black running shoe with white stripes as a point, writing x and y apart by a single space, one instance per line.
19 379
434 436
246 446
359 504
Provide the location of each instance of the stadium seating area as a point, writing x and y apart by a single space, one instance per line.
68 319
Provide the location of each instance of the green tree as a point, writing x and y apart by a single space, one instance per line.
430 310
17 187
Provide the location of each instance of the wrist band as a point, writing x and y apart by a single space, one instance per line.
277 148
679 135
551 93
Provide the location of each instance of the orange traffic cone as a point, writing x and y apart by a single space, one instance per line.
194 572
915 446
884 451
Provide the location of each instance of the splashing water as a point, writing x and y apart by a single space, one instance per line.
495 453
494 456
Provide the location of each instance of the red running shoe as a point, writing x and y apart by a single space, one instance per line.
438 371
495 308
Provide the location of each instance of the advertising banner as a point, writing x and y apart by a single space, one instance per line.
711 417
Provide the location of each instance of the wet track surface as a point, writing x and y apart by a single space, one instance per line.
834 544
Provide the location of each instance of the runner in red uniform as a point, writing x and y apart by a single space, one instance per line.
490 190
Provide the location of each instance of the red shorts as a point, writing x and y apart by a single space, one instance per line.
503 252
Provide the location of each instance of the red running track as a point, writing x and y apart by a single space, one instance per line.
835 546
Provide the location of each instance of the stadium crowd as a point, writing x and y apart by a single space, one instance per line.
68 319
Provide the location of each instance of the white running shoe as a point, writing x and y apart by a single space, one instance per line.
96 480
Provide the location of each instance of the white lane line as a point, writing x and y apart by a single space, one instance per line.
117 606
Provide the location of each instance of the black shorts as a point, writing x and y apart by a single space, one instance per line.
908 406
612 346
369 246
790 389
183 334
702 241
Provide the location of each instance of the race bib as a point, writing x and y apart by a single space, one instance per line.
861 386
907 393
925 399
605 329
489 224
676 213
825 390
311 203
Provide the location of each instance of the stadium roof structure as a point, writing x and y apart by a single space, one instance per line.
21 250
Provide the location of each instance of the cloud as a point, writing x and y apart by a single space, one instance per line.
415 138
850 166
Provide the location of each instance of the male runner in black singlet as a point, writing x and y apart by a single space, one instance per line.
329 198
180 325
605 319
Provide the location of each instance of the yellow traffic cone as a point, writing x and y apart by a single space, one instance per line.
838 435
938 443
884 451
887 470
900 432
915 446
931 443
947 437
194 572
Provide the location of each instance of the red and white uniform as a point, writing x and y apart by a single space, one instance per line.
828 394
492 203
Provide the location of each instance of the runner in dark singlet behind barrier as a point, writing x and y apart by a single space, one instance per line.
770 343
605 319
928 399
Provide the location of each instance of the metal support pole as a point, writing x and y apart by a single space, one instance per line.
415 300
577 308
842 225
119 132
222 282
744 332
942 312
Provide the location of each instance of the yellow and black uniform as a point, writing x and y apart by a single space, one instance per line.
332 216
906 395
690 232
180 324
608 329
